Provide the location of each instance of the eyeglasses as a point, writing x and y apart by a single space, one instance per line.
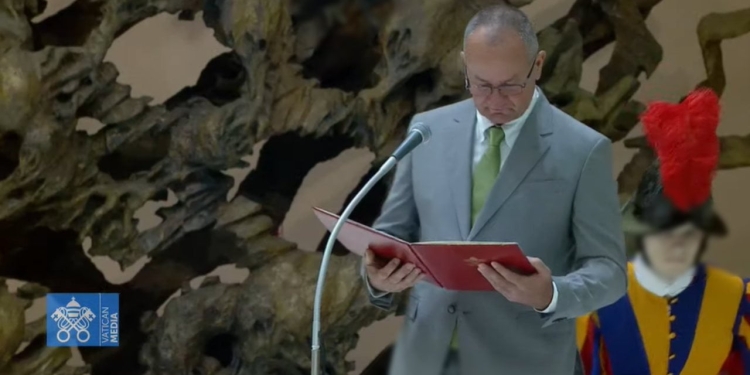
506 89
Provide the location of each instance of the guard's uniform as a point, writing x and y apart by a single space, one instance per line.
699 322
704 330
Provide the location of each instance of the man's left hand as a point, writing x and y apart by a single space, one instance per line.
534 290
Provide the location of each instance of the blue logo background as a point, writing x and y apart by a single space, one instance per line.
83 319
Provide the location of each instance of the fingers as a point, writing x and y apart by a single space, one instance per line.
408 281
412 277
369 258
401 273
539 265
394 276
498 281
541 269
507 274
389 268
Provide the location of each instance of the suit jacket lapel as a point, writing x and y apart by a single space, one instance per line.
531 145
460 141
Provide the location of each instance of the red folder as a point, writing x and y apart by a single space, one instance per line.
450 265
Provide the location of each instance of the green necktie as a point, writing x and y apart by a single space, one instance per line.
486 171
485 174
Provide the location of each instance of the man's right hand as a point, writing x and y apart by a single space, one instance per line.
391 277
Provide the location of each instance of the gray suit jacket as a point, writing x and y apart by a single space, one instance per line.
556 196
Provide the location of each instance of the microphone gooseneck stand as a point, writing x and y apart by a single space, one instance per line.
417 135
316 357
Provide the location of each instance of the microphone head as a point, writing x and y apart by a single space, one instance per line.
423 130
418 134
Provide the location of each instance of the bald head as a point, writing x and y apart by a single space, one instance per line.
499 22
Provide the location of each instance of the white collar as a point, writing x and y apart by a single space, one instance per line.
512 128
650 281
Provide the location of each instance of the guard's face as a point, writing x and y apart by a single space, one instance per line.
671 253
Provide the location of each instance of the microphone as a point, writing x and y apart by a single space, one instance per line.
418 134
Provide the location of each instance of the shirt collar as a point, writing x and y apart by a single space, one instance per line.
650 281
512 128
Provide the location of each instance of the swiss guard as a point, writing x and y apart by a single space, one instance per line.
680 316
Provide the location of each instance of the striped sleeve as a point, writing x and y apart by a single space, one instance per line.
738 362
582 326
593 353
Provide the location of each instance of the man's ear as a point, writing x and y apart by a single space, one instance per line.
462 68
540 63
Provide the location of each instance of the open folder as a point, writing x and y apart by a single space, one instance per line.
450 265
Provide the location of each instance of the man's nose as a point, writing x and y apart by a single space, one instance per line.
497 98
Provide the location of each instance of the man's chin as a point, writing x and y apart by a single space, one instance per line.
501 118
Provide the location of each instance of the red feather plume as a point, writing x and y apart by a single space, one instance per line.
684 138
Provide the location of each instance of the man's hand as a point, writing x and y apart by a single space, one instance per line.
534 290
393 276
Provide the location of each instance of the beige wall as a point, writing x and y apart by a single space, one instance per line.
160 56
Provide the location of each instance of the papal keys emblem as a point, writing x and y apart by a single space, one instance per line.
73 317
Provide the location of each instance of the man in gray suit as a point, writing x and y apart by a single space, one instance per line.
503 166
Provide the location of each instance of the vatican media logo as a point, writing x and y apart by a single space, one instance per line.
83 319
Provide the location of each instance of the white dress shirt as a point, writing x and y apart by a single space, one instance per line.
512 130
650 281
